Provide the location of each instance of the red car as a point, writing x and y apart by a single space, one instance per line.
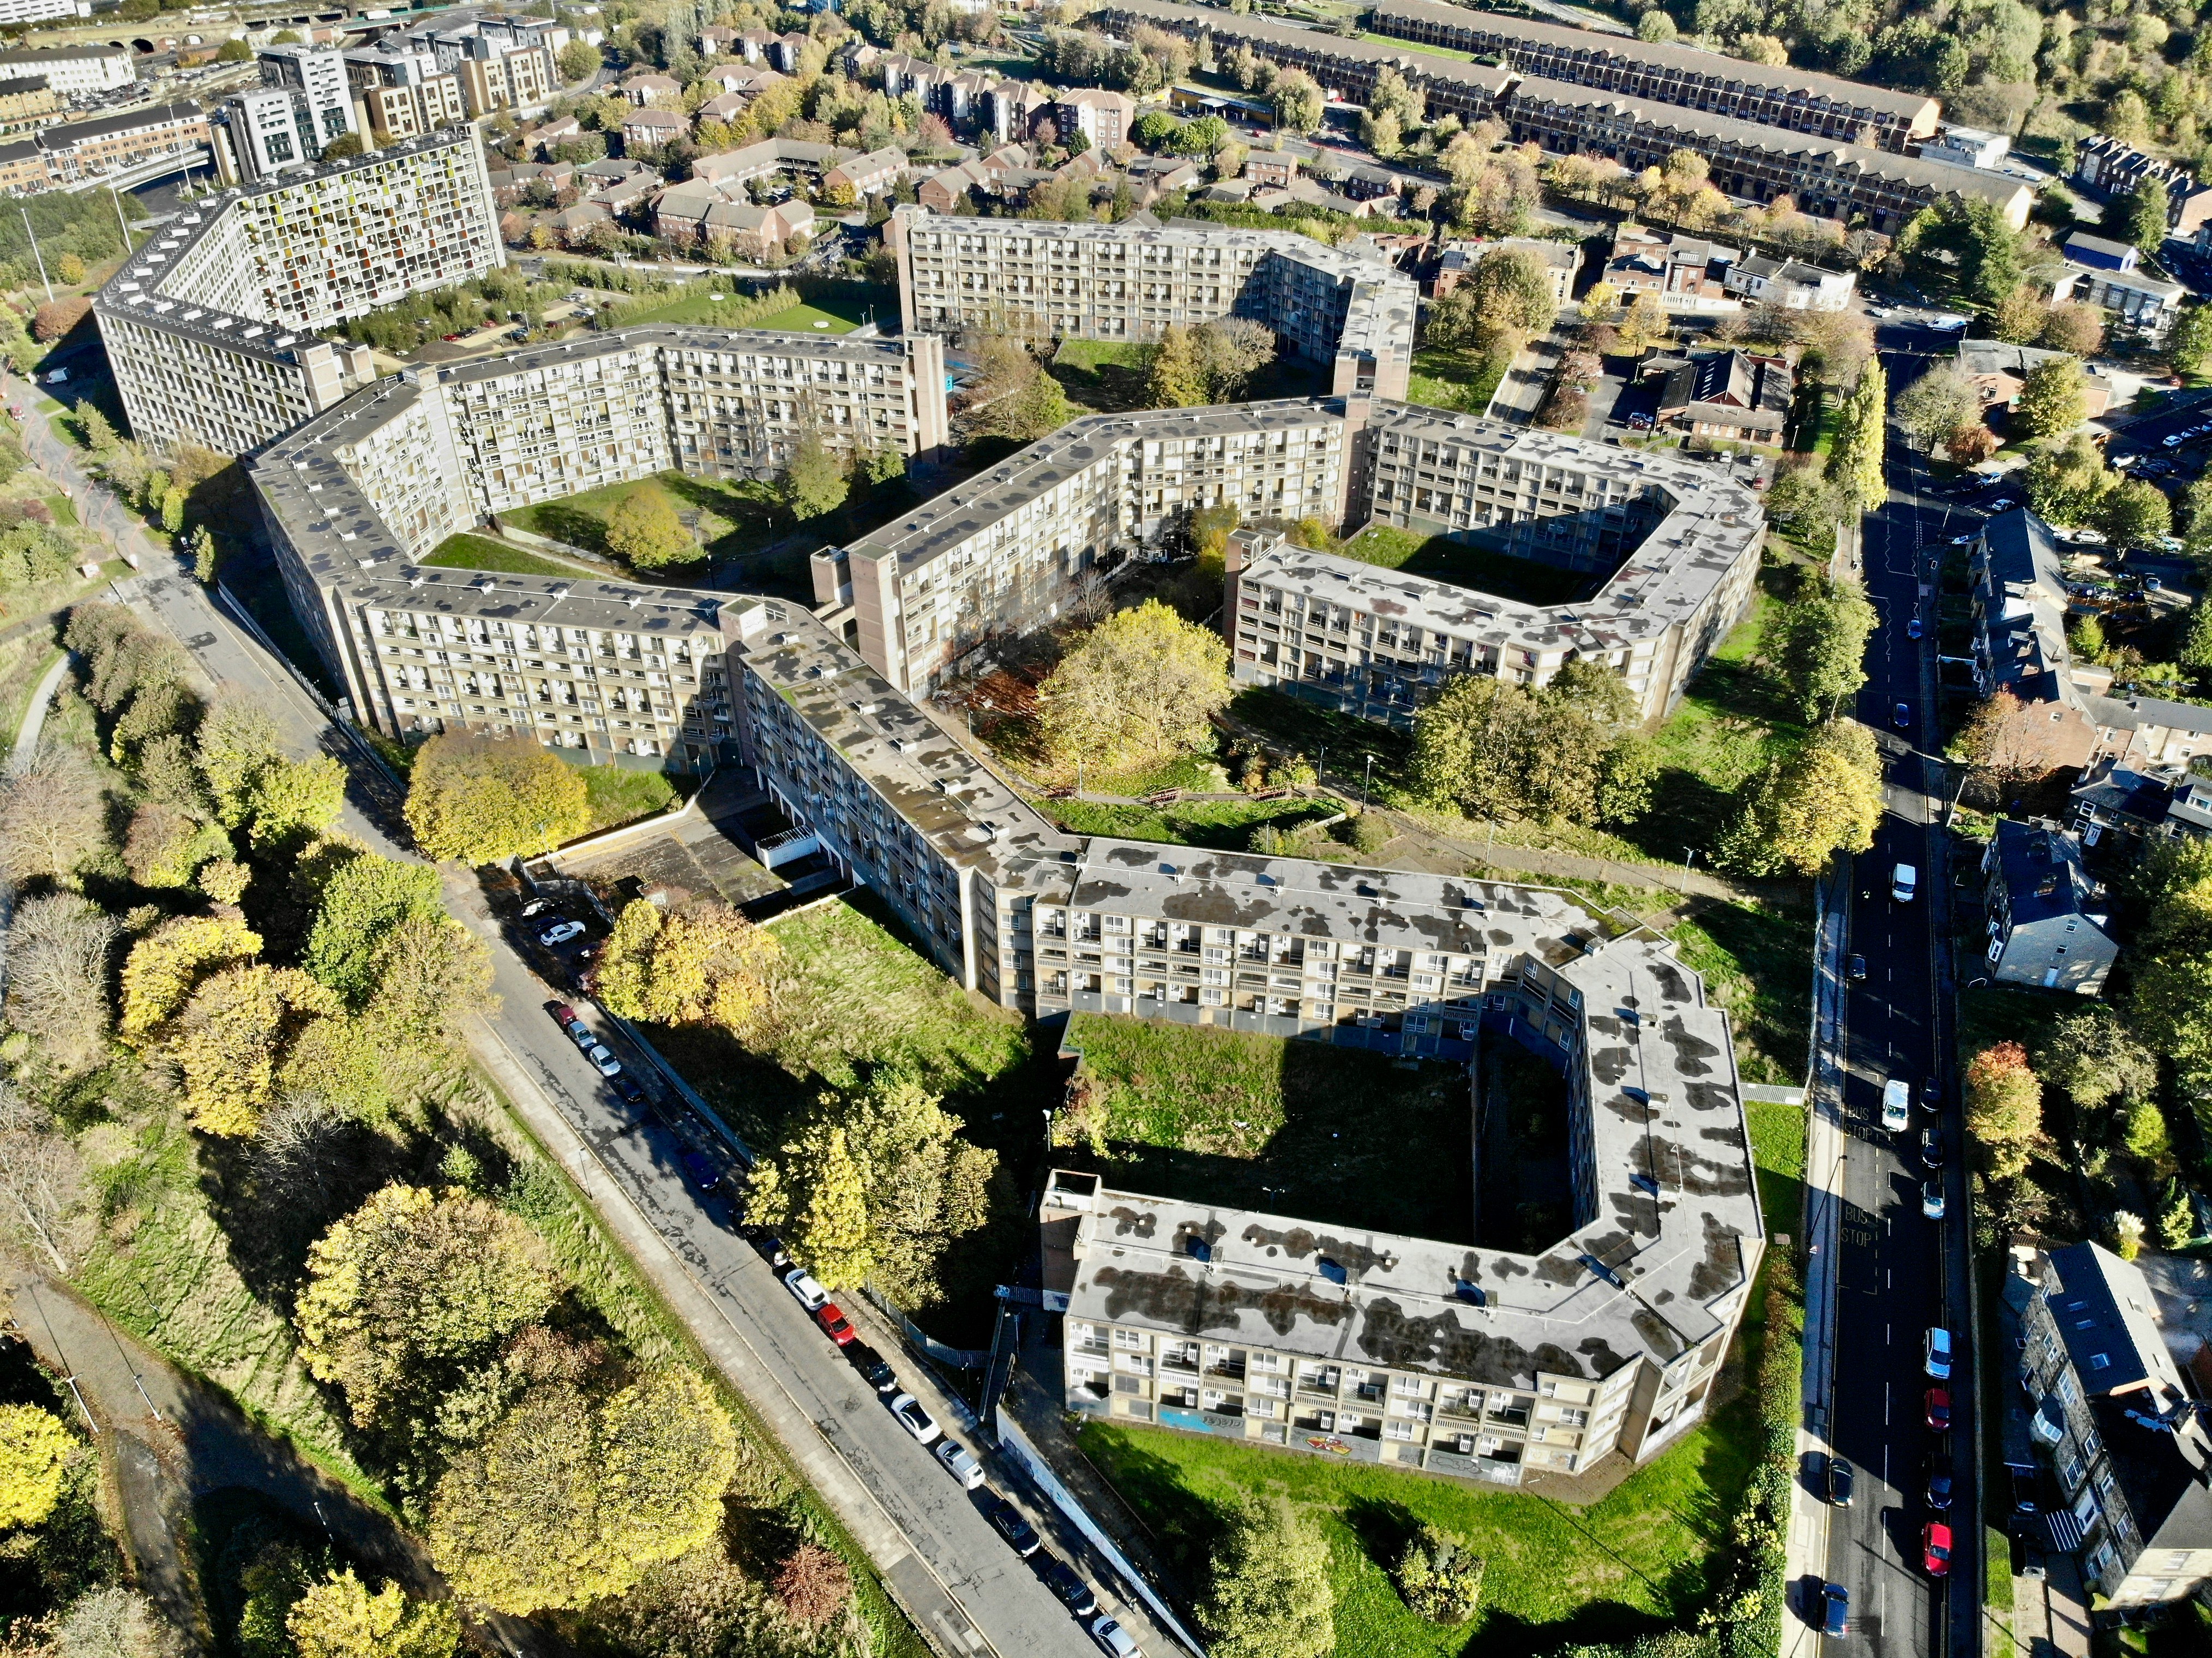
1939 1409
563 1014
1935 1548
834 1323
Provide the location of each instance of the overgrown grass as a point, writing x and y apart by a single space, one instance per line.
1329 1135
1340 742
1757 961
1464 380
467 552
1777 1146
23 663
843 307
1552 1575
1223 825
1486 569
620 794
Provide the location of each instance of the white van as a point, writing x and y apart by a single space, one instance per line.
1896 1103
1904 882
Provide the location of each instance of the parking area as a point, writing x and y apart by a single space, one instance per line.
703 853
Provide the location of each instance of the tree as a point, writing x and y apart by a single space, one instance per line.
364 903
1487 747
1937 405
483 800
55 318
1823 799
1644 324
2078 329
1269 1594
704 963
410 1278
237 747
815 483
2135 514
296 800
1970 446
2053 398
2177 1227
205 557
1140 686
230 1036
339 1617
1231 350
579 59
52 814
58 965
1299 101
35 1448
2139 216
1818 642
2066 483
169 963
566 1502
1177 378
2005 742
2196 650
2145 1135
2189 345
2004 1106
2127 1234
235 50
1855 461
1512 289
1035 408
813 1585
1654 27
923 1188
1439 1577
644 531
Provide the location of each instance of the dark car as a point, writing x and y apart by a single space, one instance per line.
2024 1499
1913 629
1939 1486
627 1087
771 1246
700 1170
1857 969
1835 1610
873 1369
1901 716
1938 1404
1931 1147
1006 1520
1840 1482
1062 1580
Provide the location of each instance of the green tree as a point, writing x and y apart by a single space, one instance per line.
1439 1577
2053 398
644 530
1485 747
704 963
411 1278
169 963
2189 346
566 1502
2196 516
2139 216
1511 288
237 747
2196 638
1269 1595
205 557
2095 1058
2004 1106
1140 686
1299 101
2145 1135
1823 799
1178 377
483 800
1855 461
816 482
35 1448
296 800
2177 1227
1818 642
579 59
338 1617
1035 409
2135 514
2066 483
364 902
235 50
1936 406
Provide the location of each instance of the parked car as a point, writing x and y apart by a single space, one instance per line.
700 1170
1931 1147
1913 629
599 1055
1114 1639
1064 1581
1857 969
1938 1407
1006 1520
1935 1353
1840 1482
915 1420
630 1092
804 1288
560 933
1835 1610
874 1370
2024 1499
582 1034
536 907
960 1463
563 1014
835 1325
1939 1486
1935 1548
1931 1199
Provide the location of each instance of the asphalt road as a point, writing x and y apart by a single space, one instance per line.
1898 1272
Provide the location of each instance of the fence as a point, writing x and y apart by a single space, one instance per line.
959 1358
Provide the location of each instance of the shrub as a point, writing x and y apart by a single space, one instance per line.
1439 1577
1364 832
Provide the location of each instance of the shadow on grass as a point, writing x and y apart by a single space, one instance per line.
1383 1528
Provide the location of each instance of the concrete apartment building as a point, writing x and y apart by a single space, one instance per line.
73 70
1817 106
211 328
304 103
2049 921
1342 306
1674 544
2114 1415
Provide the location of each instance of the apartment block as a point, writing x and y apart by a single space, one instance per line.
262 132
1342 306
1832 178
1817 106
1003 552
33 11
74 152
27 100
211 328
2114 165
2120 1423
403 92
92 67
1672 548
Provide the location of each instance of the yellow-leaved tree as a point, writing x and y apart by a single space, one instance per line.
483 800
1140 687
34 1452
339 1616
704 963
166 965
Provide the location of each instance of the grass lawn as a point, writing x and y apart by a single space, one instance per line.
1107 375
1777 1147
1224 825
1259 1122
467 552
1758 965
808 319
1456 380
1294 724
622 794
1552 1575
1523 580
843 307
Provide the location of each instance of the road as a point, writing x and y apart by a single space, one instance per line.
1897 1273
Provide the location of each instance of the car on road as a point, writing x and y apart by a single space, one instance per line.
835 1325
1639 422
560 933
1896 1104
960 1462
2174 439
771 1248
914 1419
1006 1520
874 1369
1840 1482
2002 504
1938 1487
1931 1199
599 1055
1932 1147
1935 1548
704 1173
1114 1639
1913 629
563 1014
1936 1405
1835 1610
630 1092
1901 715
1064 1582
805 1288
1935 1353
1857 969
1961 541
582 1034
1904 882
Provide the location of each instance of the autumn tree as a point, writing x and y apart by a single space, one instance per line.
816 482
52 813
35 1448
365 902
1822 798
483 800
1439 1576
1232 351
567 1501
704 963
2005 743
814 1585
58 969
169 963
231 1036
339 1616
1177 377
1565 751
413 1280
2053 398
1854 459
1298 102
1936 406
2004 1106
1818 641
644 531
1268 1594
1510 287
1138 687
